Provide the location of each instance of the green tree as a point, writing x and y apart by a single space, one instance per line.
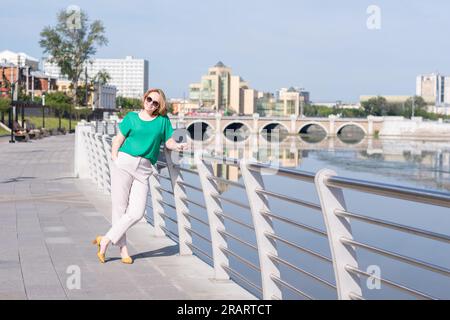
102 77
71 44
353 113
375 106
5 103
419 107
128 103
58 101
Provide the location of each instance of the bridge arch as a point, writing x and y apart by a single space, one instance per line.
312 137
241 130
352 137
200 129
307 125
271 126
342 126
284 131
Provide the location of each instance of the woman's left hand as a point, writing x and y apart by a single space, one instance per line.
180 146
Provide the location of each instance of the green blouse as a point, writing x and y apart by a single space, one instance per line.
144 138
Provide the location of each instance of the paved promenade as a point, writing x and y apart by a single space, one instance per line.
47 221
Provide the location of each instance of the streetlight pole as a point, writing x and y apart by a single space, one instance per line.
43 110
412 107
11 113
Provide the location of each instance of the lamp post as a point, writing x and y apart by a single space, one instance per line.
11 113
43 110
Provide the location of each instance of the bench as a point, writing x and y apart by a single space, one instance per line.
20 133
33 132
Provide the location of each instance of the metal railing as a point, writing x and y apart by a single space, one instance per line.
92 156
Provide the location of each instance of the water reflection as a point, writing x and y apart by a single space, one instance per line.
421 163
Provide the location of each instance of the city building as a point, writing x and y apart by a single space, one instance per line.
129 75
19 59
434 88
389 98
219 90
32 82
99 96
286 102
104 97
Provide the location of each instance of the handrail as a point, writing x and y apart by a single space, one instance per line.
232 236
239 222
93 149
396 226
290 199
294 223
300 248
389 254
400 192
190 186
243 260
391 283
231 183
290 265
241 277
196 219
234 202
291 287
197 234
199 250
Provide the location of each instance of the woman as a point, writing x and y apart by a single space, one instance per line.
134 152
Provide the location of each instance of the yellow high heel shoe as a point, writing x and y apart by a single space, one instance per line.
127 260
101 256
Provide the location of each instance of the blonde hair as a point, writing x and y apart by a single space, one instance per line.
162 109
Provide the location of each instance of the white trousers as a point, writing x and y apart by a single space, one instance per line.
129 189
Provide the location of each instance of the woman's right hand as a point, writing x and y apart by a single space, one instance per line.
113 157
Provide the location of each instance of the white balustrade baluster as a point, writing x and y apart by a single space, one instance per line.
157 206
332 199
180 197
213 205
259 203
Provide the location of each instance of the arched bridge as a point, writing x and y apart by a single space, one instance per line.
330 126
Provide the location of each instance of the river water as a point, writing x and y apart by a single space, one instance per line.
415 163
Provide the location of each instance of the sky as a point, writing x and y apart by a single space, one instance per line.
324 46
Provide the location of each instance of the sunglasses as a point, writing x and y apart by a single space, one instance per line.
152 102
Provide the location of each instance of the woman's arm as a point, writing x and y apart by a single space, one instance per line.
116 143
172 145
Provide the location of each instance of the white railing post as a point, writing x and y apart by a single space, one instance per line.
332 199
179 194
213 206
81 165
107 149
105 127
157 206
103 162
91 156
259 203
98 155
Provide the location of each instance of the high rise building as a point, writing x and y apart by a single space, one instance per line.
434 88
129 75
219 89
